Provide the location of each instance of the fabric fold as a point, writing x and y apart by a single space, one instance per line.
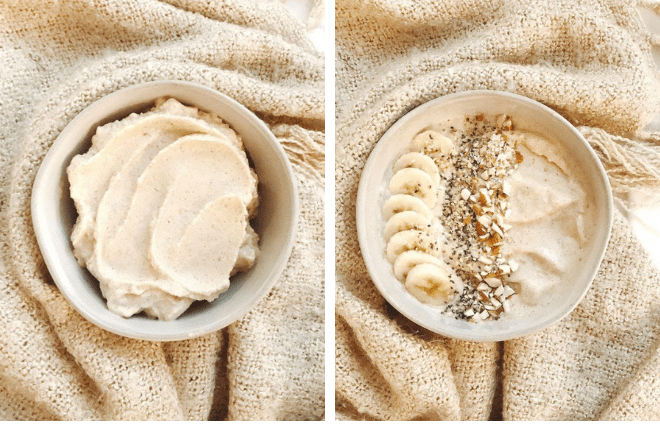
638 399
410 373
476 369
194 380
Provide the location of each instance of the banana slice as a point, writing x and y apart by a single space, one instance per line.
411 240
411 181
406 220
433 144
398 203
420 161
409 259
430 284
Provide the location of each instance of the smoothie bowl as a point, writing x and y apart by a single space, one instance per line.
165 211
483 216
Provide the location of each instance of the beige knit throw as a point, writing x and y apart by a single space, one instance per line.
590 60
58 57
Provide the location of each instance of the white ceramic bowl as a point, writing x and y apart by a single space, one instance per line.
528 115
54 214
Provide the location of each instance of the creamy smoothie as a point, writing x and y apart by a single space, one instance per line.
164 200
551 208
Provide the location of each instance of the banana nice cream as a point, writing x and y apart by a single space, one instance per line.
483 220
164 200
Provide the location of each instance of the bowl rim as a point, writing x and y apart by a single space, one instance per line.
366 246
49 167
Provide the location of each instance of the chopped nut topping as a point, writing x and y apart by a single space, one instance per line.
475 212
506 187
519 157
485 220
508 291
514 265
485 260
497 229
493 282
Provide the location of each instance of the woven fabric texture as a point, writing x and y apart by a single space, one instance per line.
59 57
589 60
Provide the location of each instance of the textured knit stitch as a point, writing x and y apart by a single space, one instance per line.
58 58
590 61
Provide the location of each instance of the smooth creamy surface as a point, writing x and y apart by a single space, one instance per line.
551 207
164 200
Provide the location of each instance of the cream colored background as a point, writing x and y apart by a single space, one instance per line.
645 220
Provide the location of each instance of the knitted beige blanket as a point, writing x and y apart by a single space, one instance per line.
58 57
590 60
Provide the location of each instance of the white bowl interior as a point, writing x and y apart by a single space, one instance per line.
528 115
54 213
